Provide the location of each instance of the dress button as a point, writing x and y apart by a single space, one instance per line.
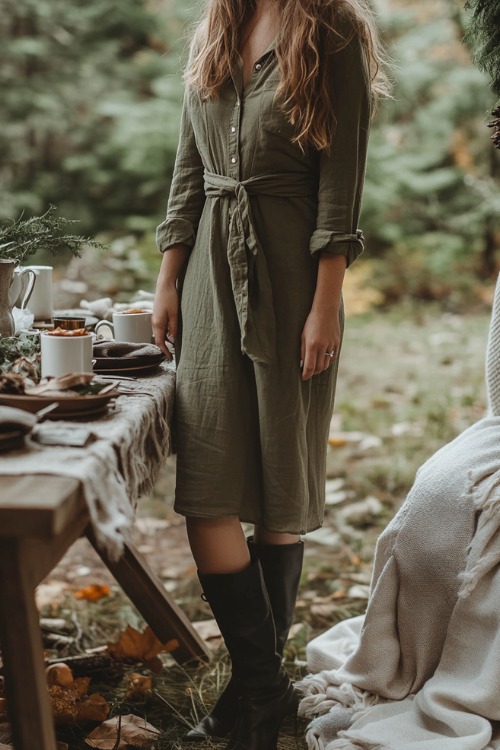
233 159
233 129
258 66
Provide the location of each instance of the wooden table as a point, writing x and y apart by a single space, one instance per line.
40 517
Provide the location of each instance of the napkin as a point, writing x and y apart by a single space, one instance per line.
23 319
124 349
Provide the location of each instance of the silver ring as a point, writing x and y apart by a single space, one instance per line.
330 354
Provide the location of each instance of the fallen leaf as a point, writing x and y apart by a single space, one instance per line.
59 674
357 512
63 701
323 610
335 498
337 442
139 687
359 592
93 708
92 593
50 595
81 686
325 536
295 630
120 732
339 594
148 525
143 647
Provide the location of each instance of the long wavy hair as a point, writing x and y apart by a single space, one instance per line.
309 31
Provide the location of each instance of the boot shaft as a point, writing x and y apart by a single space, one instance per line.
281 567
241 607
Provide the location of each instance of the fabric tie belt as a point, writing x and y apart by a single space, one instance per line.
250 280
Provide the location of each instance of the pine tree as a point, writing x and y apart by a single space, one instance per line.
483 36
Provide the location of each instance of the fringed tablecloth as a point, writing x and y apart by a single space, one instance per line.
132 443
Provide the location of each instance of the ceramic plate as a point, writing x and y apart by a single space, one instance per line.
73 406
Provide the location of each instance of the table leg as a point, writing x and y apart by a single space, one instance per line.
155 604
22 653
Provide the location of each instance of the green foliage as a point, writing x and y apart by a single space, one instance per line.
483 35
430 198
90 104
14 347
24 237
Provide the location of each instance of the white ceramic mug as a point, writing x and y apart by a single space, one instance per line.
21 287
41 304
134 327
64 354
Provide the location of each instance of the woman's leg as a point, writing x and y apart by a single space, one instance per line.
218 544
261 536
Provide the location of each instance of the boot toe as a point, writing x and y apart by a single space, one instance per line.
208 727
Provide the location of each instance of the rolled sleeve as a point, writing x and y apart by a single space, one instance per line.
349 245
175 231
341 170
187 194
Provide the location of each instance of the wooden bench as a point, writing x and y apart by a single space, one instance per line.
40 517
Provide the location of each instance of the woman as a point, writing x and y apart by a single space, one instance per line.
261 224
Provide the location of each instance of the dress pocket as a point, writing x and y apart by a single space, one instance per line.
272 118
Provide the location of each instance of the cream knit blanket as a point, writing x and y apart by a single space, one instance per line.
421 670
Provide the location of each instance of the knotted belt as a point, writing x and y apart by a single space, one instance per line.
250 280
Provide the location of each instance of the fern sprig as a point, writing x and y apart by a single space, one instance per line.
21 238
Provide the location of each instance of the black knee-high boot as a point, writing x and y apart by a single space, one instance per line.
281 567
241 607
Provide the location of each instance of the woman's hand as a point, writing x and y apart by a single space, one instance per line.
165 316
166 304
321 334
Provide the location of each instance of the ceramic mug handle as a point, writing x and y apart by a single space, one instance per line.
27 285
105 323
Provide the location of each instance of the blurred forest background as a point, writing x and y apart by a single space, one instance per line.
90 106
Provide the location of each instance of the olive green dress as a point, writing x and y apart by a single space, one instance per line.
256 211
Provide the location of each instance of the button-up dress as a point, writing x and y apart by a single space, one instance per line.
256 212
